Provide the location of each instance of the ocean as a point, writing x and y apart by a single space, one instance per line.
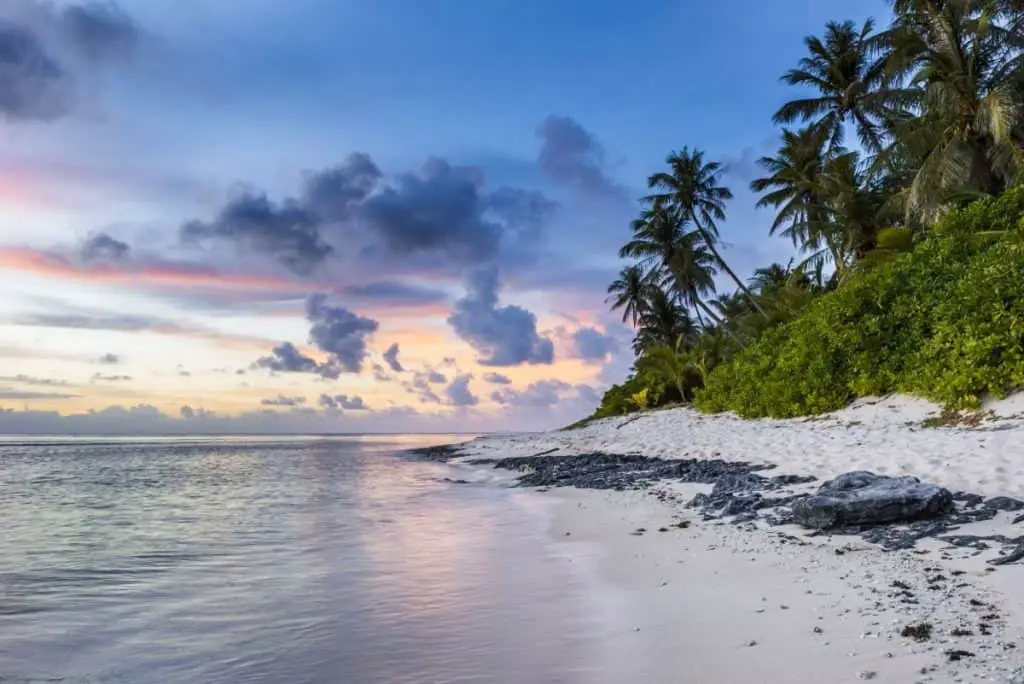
316 560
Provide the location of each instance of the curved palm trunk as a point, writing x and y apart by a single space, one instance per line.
708 240
718 321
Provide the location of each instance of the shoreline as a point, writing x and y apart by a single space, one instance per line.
721 601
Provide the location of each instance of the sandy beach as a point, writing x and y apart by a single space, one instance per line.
694 600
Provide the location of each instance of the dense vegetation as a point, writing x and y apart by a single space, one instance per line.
909 275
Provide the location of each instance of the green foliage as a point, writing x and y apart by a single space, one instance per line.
945 322
641 399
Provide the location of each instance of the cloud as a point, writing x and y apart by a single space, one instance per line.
497 379
281 400
592 345
421 382
33 86
286 358
571 155
391 358
396 293
436 378
25 395
44 53
458 391
540 393
379 374
502 336
343 401
446 210
288 232
101 31
109 359
99 377
336 331
102 247
442 210
339 332
335 194
31 380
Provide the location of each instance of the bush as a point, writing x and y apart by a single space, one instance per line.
945 322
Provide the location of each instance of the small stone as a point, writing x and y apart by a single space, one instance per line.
752 642
818 630
784 607
868 674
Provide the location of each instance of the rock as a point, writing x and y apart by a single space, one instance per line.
867 674
1004 503
863 498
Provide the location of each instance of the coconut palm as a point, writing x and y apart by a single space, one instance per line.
690 189
629 292
797 186
663 323
849 78
963 60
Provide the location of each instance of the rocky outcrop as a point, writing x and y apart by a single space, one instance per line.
863 498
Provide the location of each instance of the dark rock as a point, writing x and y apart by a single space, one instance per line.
968 500
958 654
919 632
1011 557
863 498
1019 519
442 453
1004 503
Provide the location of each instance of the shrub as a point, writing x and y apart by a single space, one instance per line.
945 322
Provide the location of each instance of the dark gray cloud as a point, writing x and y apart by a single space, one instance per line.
571 155
289 232
339 332
336 331
391 358
348 211
281 400
421 382
32 380
45 53
396 293
458 391
102 247
335 194
435 378
497 379
446 210
33 86
100 31
503 336
538 394
109 359
343 402
592 345
286 358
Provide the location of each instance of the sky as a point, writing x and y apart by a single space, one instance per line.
343 216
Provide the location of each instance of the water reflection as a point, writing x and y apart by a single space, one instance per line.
301 560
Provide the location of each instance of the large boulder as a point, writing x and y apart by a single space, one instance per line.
864 498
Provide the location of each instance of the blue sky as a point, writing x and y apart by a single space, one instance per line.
495 136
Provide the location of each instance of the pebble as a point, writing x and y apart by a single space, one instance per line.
868 674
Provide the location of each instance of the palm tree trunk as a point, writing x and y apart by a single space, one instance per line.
721 324
709 241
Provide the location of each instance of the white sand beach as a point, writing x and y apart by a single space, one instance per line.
718 602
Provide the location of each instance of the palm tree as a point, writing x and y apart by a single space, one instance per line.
963 61
690 189
629 292
675 259
797 186
842 67
663 323
772 277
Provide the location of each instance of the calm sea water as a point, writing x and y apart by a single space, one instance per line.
284 561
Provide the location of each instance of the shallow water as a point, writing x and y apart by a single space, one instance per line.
315 560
